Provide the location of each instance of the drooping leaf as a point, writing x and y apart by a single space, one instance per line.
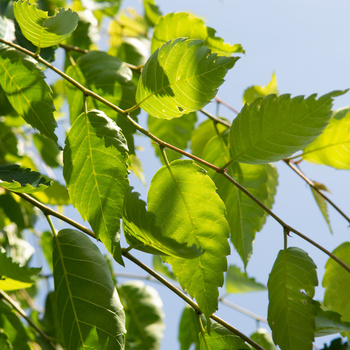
17 179
180 77
337 344
13 276
263 338
176 131
133 50
27 91
184 201
291 311
12 210
41 29
14 329
48 150
8 140
336 281
135 166
142 232
329 322
161 267
254 92
46 241
322 204
245 217
332 147
239 282
152 12
182 24
188 329
56 194
221 338
90 311
144 315
95 171
272 128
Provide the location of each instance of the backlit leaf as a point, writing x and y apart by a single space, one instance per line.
41 29
272 128
322 204
95 171
56 194
48 150
142 232
152 11
336 281
188 329
184 201
176 131
161 267
291 312
27 91
332 147
254 92
239 282
263 338
182 24
180 77
90 311
13 276
17 179
245 217
144 315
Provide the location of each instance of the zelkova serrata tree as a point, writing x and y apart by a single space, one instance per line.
198 208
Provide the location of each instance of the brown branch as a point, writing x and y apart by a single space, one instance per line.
219 100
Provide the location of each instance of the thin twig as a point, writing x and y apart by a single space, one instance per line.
216 119
219 100
73 48
16 307
297 170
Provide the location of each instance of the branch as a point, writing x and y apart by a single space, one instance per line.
219 100
16 307
216 119
297 170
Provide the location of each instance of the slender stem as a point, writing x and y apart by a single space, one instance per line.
162 149
201 328
219 100
243 310
296 169
16 307
73 48
216 119
51 225
285 238
189 301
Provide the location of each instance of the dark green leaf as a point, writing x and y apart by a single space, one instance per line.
263 338
184 201
133 51
332 147
291 312
239 282
48 150
337 344
254 92
144 315
13 276
182 24
39 28
272 128
17 179
8 140
90 311
152 12
12 209
336 281
189 329
186 82
142 233
95 171
176 131
46 241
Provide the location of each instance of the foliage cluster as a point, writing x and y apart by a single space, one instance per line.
198 209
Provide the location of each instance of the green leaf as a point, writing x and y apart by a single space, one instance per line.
144 315
162 268
336 281
8 140
13 276
13 328
133 51
188 329
221 338
12 210
152 12
176 131
337 344
263 338
272 128
17 179
27 91
48 150
322 204
332 147
180 77
197 217
56 194
90 311
245 217
329 322
95 171
142 232
291 312
182 24
256 91
41 29
239 282
46 241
